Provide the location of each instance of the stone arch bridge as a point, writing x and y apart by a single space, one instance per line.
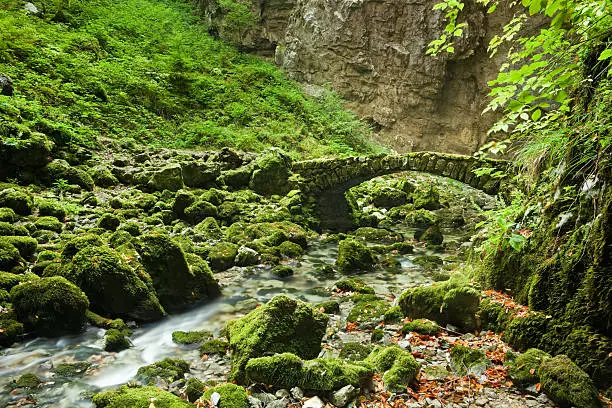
328 179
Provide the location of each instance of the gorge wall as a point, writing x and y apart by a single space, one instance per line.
373 52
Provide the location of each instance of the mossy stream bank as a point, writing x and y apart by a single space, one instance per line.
171 243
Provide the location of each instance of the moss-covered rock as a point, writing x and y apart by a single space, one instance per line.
116 340
368 311
74 245
167 369
271 174
191 337
182 200
453 301
214 346
247 257
138 397
71 370
209 228
102 176
17 200
222 255
177 282
290 249
49 223
26 246
50 306
527 331
60 170
354 351
28 380
426 197
194 389
9 256
282 271
379 235
50 208
421 219
199 211
324 374
7 215
329 307
432 235
167 178
356 285
525 369
393 315
10 330
109 221
421 326
282 325
354 257
112 286
566 384
398 366
230 396
468 361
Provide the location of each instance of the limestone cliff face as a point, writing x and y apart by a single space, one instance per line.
373 52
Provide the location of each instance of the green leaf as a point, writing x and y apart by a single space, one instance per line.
517 242
605 55
536 115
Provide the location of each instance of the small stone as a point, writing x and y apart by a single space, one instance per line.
481 401
215 398
344 395
297 393
283 393
314 402
254 402
6 85
31 8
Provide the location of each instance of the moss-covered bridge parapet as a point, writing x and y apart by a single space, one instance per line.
323 174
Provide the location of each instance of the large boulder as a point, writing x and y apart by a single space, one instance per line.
354 257
61 170
17 200
50 306
271 175
525 369
566 384
138 397
167 178
200 174
283 325
176 281
453 301
112 286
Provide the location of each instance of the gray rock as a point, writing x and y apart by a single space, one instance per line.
31 8
246 257
297 393
255 403
283 393
314 402
344 395
6 85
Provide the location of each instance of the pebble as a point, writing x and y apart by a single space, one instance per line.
314 402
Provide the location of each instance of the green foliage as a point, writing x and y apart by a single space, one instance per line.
148 71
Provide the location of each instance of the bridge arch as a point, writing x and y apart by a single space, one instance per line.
328 179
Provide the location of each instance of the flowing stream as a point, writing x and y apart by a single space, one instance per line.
243 289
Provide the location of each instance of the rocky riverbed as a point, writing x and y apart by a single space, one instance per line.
173 274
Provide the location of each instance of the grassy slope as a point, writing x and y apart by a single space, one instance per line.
147 70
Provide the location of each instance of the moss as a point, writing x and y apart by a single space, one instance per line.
166 178
49 223
393 315
17 200
398 366
421 219
200 210
182 200
267 233
209 228
468 361
109 222
356 285
290 249
324 374
214 346
167 369
222 256
50 306
366 311
526 332
282 271
432 236
8 280
524 370
7 215
113 287
27 381
194 389
421 326
60 169
282 325
9 256
138 397
426 197
271 174
71 370
379 235
26 246
231 396
132 227
566 384
177 282
80 242
51 209
10 331
452 301
354 351
191 337
102 176
354 257
493 315
119 238
115 340
377 335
